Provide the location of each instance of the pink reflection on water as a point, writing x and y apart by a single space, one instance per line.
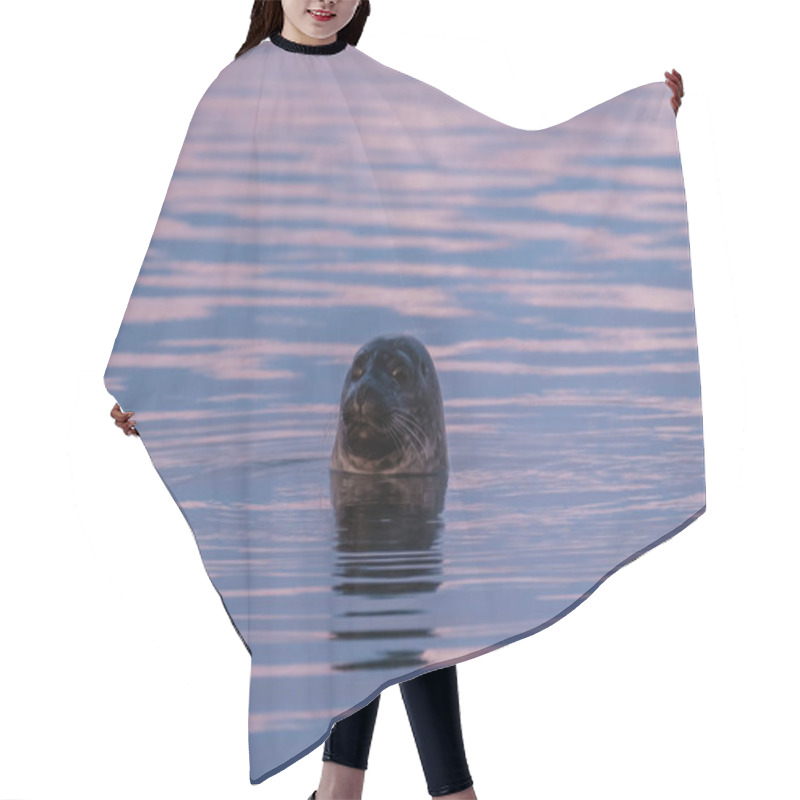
289 720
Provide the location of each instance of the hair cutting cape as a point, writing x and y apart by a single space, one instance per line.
419 381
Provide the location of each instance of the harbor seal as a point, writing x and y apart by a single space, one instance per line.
391 415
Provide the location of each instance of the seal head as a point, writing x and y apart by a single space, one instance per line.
391 415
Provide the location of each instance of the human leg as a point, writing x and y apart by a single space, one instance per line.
433 710
346 753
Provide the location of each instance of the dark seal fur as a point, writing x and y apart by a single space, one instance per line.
391 415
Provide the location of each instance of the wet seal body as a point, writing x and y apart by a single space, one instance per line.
391 415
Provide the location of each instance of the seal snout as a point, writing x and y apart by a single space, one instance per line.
366 403
364 418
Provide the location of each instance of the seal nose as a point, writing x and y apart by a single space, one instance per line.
366 400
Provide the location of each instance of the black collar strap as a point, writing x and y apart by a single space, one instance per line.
310 49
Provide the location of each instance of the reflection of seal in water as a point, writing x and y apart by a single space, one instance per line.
391 417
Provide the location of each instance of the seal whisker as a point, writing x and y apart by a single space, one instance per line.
410 423
408 442
397 431
342 437
418 437
395 436
400 421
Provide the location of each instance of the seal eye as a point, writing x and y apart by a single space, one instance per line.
357 369
399 374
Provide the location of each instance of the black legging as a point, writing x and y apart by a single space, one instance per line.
432 705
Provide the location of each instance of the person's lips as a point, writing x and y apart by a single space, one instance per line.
322 15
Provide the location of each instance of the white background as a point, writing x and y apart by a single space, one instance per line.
120 673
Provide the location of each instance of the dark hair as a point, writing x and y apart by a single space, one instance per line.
267 17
